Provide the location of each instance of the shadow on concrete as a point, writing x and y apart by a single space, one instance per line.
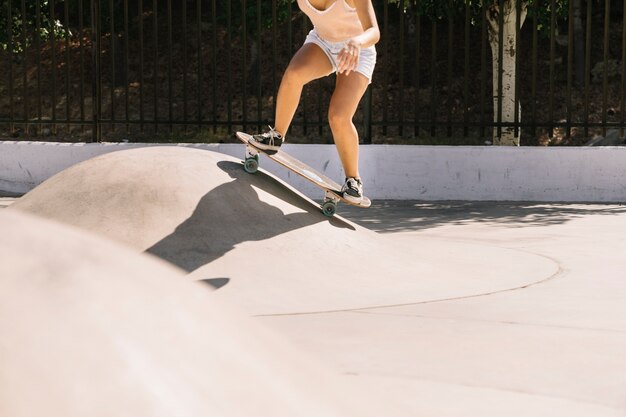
402 216
232 213
215 283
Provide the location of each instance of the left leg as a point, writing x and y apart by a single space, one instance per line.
343 105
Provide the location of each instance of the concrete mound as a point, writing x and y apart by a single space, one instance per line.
139 196
90 328
272 246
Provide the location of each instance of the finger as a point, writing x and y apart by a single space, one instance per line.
347 65
340 66
344 61
344 54
350 68
352 64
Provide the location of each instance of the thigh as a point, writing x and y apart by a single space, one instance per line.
309 63
348 93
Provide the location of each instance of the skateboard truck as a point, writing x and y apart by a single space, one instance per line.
329 206
251 164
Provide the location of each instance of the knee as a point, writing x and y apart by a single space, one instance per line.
337 117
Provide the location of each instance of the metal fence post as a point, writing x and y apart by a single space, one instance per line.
367 116
95 71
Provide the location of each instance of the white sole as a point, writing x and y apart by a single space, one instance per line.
263 146
355 200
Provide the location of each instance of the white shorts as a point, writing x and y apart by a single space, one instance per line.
367 57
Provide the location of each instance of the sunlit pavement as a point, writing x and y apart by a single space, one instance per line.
555 346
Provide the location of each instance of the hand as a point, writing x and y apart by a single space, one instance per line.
349 57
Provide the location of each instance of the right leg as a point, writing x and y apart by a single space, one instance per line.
308 64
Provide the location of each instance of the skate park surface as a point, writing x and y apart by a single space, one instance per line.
410 307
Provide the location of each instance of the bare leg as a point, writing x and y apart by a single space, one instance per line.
308 64
343 104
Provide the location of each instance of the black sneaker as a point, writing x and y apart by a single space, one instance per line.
268 141
353 190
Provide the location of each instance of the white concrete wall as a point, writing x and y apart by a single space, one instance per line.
582 174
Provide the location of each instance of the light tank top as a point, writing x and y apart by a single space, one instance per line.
338 23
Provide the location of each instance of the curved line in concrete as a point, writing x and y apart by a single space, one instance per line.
559 272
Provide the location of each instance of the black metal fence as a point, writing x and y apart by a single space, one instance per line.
197 70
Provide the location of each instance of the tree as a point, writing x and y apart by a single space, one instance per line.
22 23
504 20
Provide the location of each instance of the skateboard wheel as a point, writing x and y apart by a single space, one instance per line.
251 165
329 208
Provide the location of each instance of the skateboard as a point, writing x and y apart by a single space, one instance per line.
332 190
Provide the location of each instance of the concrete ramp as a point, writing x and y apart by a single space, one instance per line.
89 328
270 244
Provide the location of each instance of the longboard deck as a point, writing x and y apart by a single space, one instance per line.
305 171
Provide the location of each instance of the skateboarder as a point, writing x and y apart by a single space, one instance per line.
342 41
